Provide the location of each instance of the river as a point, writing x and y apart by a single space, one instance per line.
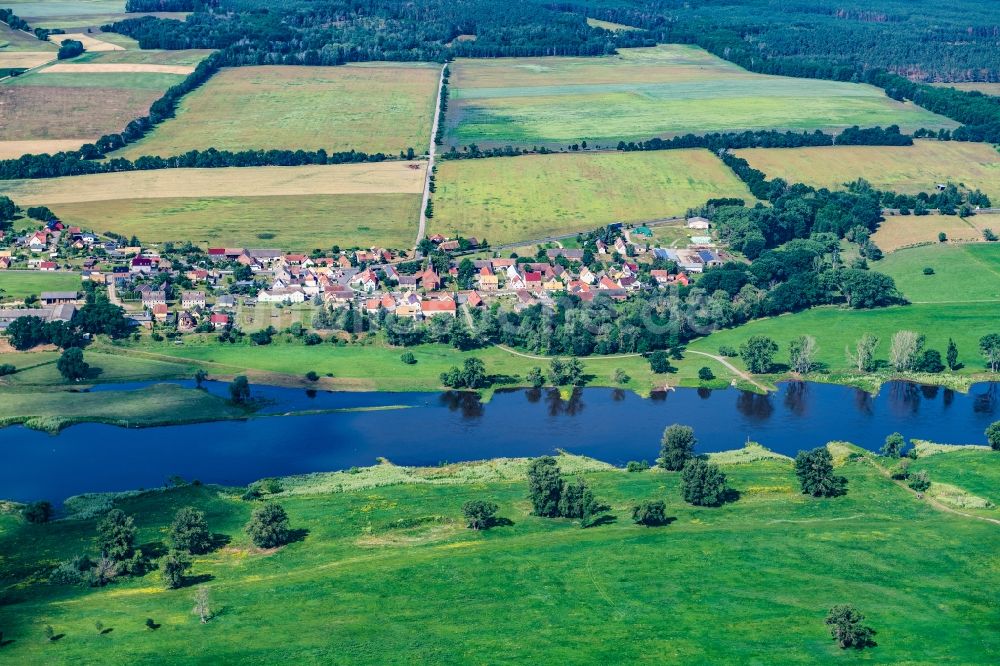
611 425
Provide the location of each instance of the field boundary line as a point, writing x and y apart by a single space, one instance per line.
431 151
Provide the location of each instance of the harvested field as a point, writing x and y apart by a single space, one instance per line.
375 178
531 197
372 107
646 92
25 59
18 40
292 222
82 21
908 169
985 88
13 149
89 42
152 57
114 68
899 231
39 112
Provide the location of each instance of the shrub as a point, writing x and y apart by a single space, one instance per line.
703 484
705 374
928 270
479 514
846 627
901 471
989 235
7 369
268 526
893 446
621 377
174 566
942 237
38 512
636 466
993 435
408 358
815 472
726 350
312 339
659 362
650 513
312 376
920 482
72 572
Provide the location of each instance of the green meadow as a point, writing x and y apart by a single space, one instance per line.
962 273
383 571
534 196
17 285
642 93
117 80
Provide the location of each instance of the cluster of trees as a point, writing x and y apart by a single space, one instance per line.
552 497
702 482
69 48
13 20
149 6
97 316
852 136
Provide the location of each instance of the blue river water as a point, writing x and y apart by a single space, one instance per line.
611 425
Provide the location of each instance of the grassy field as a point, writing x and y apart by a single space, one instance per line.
528 197
836 328
962 273
152 57
608 25
377 107
297 208
50 8
642 93
899 231
985 88
17 41
749 582
15 285
908 169
974 470
36 370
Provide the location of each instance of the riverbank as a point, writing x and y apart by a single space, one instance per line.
386 547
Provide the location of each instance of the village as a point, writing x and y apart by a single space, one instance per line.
183 289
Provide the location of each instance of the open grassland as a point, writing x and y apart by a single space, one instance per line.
189 57
900 231
608 25
90 43
74 107
24 59
36 370
294 223
19 41
528 197
16 285
748 582
974 470
836 328
642 93
370 108
985 88
52 8
14 149
908 169
296 208
962 273
115 68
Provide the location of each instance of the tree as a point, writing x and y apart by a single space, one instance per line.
757 353
578 501
479 514
268 526
893 446
239 390
802 354
189 531
659 362
71 364
621 377
650 513
568 372
38 512
952 355
904 350
408 358
536 378
199 377
815 472
993 435
70 48
676 447
867 289
863 356
703 484
845 622
545 486
174 566
989 347
474 373
920 481
116 536
201 605
705 374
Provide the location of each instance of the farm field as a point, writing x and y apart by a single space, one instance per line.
297 208
608 25
151 57
16 284
985 88
643 93
37 370
94 44
74 107
953 267
534 196
39 9
372 108
908 169
12 41
835 329
899 231
403 547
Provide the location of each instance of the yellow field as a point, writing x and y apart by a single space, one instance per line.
898 231
114 68
375 178
10 150
91 44
908 169
372 108
26 59
985 88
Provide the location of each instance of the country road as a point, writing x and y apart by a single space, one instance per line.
431 152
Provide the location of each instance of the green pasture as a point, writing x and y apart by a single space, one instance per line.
17 41
535 196
380 573
962 273
292 222
153 57
37 370
643 93
36 9
16 285
124 80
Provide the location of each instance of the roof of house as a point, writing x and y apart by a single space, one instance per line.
59 295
